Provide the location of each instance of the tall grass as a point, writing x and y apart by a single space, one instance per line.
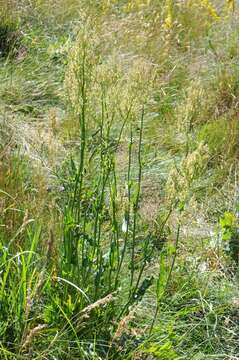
100 238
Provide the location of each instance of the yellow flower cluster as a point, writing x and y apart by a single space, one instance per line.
168 23
231 5
206 4
210 8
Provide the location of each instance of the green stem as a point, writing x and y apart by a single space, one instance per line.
168 279
136 204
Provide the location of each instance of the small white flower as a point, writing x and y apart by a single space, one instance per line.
124 226
203 267
18 259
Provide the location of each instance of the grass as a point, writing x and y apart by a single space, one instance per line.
118 180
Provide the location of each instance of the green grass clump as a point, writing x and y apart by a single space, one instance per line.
9 38
10 34
221 137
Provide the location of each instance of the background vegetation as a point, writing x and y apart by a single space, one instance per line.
119 179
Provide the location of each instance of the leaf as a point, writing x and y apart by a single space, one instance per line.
162 352
227 234
171 250
227 220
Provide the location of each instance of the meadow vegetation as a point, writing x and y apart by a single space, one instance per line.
119 200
